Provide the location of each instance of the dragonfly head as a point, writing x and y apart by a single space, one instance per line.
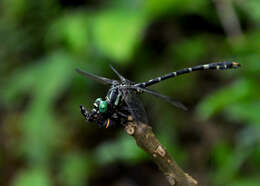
101 105
96 115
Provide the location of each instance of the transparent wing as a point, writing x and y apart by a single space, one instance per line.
122 78
117 73
157 94
135 106
94 77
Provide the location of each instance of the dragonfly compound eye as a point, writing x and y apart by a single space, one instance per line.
102 106
97 102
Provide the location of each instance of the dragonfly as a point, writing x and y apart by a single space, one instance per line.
121 100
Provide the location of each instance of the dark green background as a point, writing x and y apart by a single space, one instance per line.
44 140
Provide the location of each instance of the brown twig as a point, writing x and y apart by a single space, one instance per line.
146 140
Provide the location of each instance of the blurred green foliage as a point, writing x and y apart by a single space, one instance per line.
44 139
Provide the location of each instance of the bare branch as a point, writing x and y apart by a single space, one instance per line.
146 140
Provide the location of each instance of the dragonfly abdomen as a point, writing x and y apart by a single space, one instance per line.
210 66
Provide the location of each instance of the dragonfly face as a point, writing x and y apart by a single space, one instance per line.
100 105
103 110
108 111
100 118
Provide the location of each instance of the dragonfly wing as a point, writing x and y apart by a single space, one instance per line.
122 78
135 106
94 77
166 98
117 73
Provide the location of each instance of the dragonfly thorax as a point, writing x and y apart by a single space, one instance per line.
114 96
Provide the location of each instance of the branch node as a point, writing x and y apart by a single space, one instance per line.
130 129
160 150
191 179
171 179
130 118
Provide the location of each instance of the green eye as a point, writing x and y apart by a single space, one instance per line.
98 100
102 106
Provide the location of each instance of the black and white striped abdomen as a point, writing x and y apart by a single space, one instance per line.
216 66
211 66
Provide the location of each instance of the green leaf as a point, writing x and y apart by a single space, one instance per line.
117 32
246 111
224 98
56 73
71 30
32 177
196 48
157 8
250 181
75 169
123 148
15 8
253 9
47 78
228 162
45 81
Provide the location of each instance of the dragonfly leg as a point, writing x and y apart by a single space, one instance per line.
122 117
84 112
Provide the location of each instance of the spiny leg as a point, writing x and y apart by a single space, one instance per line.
83 111
210 66
88 115
123 117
